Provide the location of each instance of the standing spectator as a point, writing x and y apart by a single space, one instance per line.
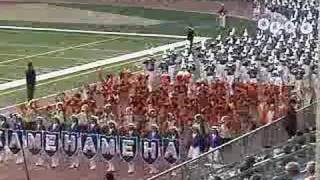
310 171
293 171
31 81
291 121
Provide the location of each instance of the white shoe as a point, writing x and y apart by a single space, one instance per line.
93 167
54 165
173 173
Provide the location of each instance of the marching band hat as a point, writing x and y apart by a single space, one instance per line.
94 118
131 125
154 126
173 128
197 116
107 105
112 122
196 126
3 117
214 127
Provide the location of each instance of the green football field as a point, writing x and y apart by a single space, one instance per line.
53 51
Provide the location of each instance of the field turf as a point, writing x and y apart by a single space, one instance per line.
52 51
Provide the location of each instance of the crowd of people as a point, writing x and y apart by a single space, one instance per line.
293 159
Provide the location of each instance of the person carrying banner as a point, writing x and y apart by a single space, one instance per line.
93 128
153 134
39 127
75 128
131 132
172 134
110 130
56 128
4 153
18 126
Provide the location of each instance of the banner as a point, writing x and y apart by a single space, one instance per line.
128 147
2 139
91 145
70 143
150 150
15 141
34 141
51 143
171 151
108 147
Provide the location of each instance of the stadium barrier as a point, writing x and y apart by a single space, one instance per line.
272 134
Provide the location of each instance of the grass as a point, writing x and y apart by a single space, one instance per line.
16 46
57 85
174 22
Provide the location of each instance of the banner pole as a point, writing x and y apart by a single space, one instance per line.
25 164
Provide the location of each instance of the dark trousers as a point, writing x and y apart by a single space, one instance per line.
30 91
190 47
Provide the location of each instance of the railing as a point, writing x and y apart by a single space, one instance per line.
275 166
272 134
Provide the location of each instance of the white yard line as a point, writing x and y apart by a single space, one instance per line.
50 57
92 32
65 77
7 79
58 50
96 64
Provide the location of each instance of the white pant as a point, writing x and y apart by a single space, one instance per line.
216 156
131 168
193 152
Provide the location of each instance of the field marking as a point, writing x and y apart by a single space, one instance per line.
58 50
93 32
50 57
100 63
7 79
73 76
55 47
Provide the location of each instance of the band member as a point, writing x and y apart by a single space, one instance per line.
196 145
215 141
153 134
93 128
131 132
74 127
60 112
39 127
111 130
55 127
150 69
173 134
4 154
18 126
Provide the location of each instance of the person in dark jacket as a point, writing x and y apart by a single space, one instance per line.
31 81
190 37
291 121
